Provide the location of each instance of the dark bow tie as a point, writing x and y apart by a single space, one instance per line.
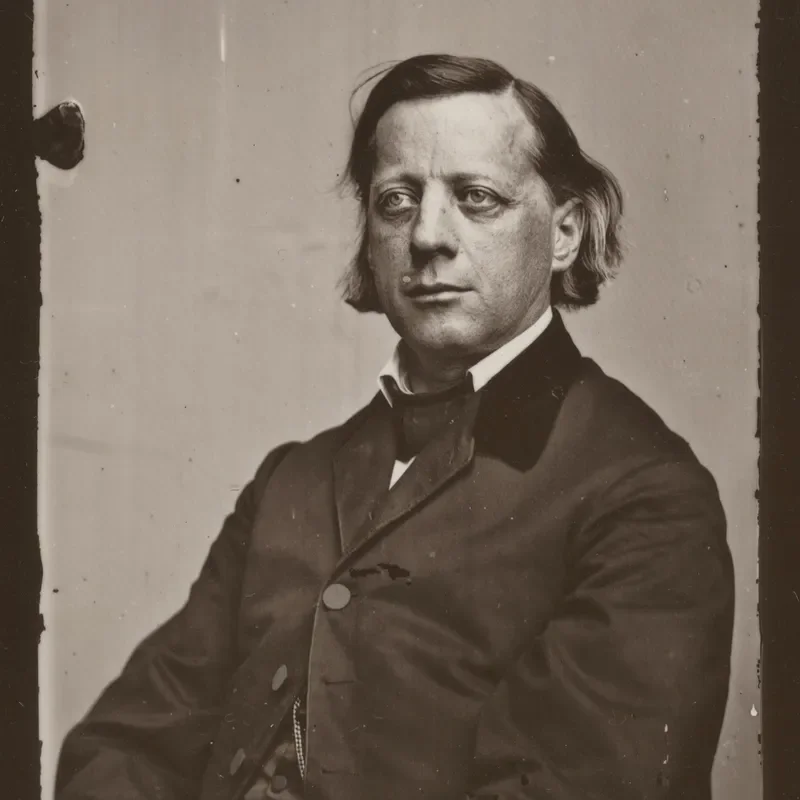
419 418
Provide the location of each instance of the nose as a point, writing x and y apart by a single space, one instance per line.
433 231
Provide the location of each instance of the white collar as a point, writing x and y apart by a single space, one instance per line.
481 373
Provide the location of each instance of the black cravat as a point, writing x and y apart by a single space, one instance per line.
419 418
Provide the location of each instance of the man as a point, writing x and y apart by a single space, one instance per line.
504 577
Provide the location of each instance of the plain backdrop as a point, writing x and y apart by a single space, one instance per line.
190 318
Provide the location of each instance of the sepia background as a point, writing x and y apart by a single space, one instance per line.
190 319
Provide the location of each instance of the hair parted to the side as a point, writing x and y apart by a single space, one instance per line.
567 170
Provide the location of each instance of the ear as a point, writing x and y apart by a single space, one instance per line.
568 226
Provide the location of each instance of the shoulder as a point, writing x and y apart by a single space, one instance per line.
609 416
620 449
316 450
639 482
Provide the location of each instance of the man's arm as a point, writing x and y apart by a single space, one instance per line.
623 695
150 733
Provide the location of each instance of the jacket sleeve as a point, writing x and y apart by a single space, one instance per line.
150 733
622 696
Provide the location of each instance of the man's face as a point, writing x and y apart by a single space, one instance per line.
460 226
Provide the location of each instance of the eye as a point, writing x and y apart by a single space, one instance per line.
396 201
479 199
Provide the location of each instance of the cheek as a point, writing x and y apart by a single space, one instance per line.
386 249
528 244
504 251
522 233
513 261
386 262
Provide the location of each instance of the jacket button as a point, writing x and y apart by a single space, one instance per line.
237 761
336 596
279 678
279 783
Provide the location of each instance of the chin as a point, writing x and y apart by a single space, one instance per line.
447 340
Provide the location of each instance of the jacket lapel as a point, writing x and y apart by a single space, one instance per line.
365 504
362 468
520 404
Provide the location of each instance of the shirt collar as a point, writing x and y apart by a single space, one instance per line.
481 373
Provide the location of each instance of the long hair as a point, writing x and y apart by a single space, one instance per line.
566 169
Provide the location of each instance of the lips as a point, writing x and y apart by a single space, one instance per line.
433 289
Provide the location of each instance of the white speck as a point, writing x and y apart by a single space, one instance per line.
551 59
686 100
112 405
666 729
222 47
294 305
753 712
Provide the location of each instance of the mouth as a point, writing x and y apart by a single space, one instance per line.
430 292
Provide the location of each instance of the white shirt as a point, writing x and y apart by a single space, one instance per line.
481 373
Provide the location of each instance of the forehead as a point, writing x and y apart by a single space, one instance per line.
469 132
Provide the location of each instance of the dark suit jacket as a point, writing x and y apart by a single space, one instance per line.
541 607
